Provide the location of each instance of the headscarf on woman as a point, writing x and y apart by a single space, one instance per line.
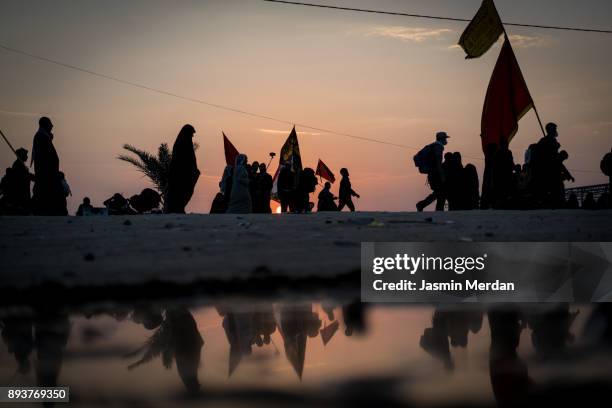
240 199
183 174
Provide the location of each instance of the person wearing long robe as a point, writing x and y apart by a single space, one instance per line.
183 174
264 189
240 199
48 193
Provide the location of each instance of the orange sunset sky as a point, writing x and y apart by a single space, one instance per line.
396 79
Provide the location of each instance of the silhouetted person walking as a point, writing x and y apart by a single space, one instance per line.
346 193
240 201
429 161
48 193
326 199
184 173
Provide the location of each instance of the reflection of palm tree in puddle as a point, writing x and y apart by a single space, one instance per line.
176 338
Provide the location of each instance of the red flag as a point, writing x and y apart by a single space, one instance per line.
324 172
507 100
230 151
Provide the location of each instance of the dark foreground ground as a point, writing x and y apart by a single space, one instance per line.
160 255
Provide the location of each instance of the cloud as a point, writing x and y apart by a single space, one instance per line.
285 132
408 34
520 41
529 41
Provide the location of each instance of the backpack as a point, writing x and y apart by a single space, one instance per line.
423 160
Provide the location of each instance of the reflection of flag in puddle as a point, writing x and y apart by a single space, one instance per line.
328 332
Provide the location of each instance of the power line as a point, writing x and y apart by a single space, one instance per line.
196 100
215 105
393 13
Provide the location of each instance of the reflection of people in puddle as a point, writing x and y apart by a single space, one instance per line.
177 337
509 375
18 336
239 332
244 329
297 323
598 328
453 324
551 330
46 333
354 318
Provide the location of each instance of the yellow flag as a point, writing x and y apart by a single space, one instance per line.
482 32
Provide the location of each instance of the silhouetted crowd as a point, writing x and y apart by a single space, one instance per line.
248 188
538 183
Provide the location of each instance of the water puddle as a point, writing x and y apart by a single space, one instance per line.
242 353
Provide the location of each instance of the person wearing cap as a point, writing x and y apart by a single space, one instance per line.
16 186
435 175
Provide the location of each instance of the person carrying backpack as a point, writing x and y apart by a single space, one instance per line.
429 161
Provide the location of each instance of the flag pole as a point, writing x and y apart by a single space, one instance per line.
8 143
535 109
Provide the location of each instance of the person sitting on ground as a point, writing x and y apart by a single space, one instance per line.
85 208
326 199
145 202
118 205
346 193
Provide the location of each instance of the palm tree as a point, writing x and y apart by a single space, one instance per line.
155 168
